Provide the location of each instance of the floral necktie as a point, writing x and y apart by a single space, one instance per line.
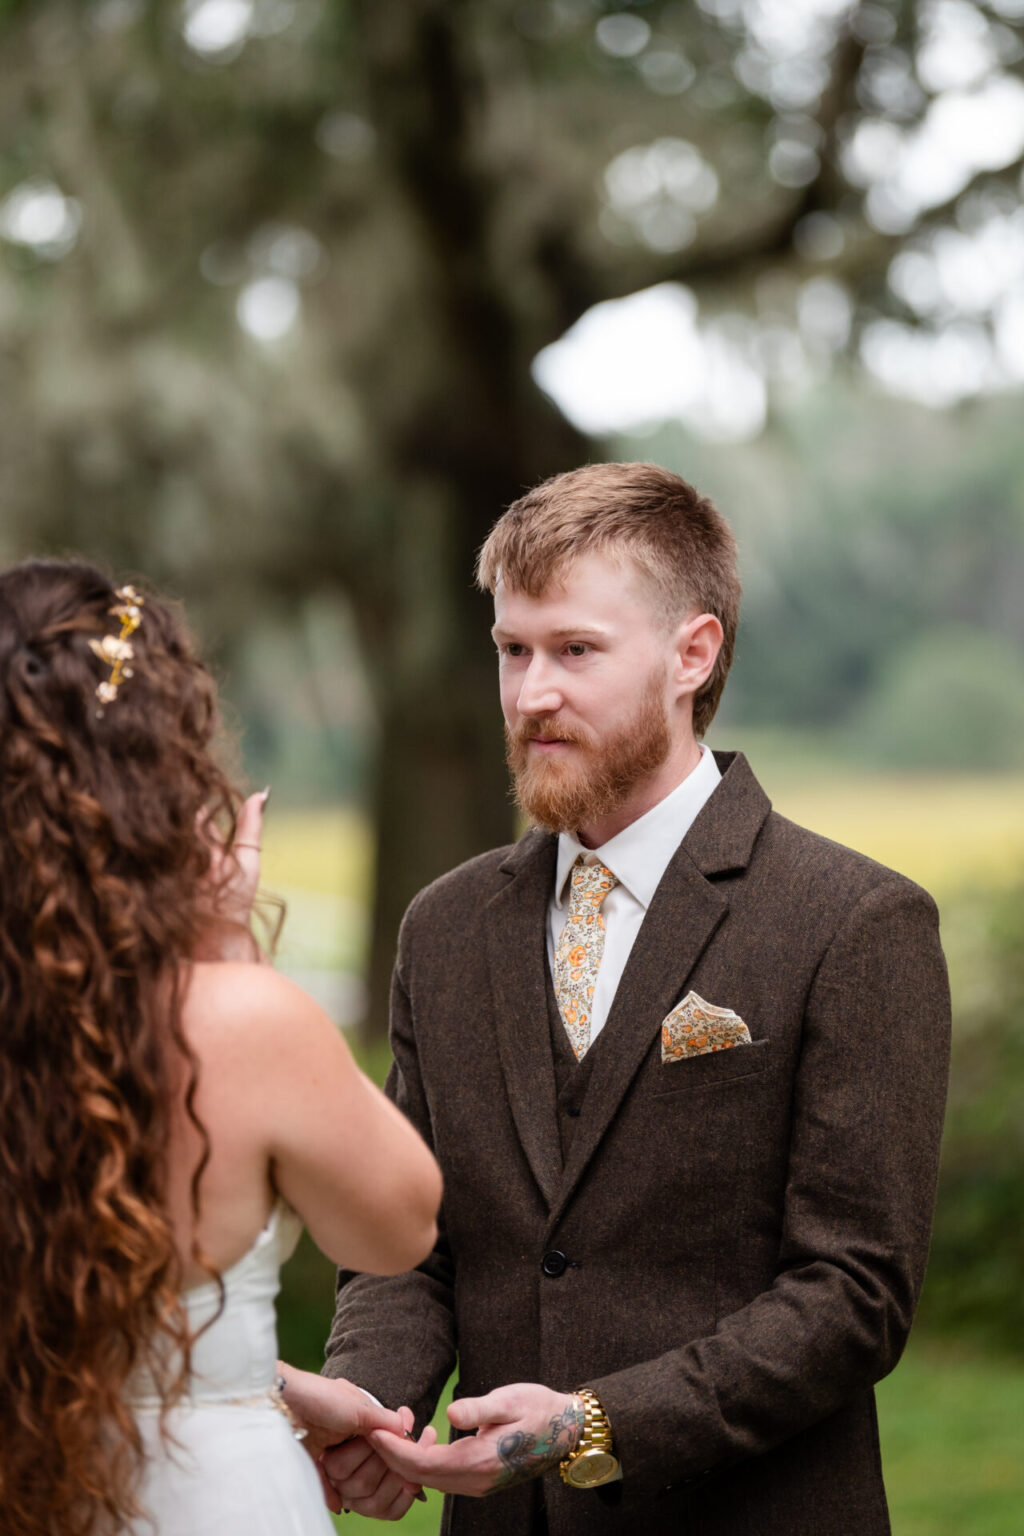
579 950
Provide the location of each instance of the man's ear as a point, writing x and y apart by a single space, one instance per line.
697 644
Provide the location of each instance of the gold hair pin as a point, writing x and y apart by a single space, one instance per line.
116 651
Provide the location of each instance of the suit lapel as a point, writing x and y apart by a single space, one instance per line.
516 922
686 910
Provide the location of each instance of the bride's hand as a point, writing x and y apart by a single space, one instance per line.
334 1411
331 1410
355 1477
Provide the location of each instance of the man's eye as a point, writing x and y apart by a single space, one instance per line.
512 648
577 648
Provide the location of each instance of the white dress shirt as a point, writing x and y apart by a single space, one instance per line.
638 857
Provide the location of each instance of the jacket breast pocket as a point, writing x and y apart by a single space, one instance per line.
714 1068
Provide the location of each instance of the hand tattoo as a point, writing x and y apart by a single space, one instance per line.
524 1455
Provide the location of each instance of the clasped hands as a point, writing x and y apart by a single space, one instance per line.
520 1431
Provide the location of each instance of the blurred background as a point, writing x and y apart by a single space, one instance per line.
297 295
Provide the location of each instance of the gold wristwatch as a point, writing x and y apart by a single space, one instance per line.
593 1462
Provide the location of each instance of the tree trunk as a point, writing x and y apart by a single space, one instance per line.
460 431
440 790
440 798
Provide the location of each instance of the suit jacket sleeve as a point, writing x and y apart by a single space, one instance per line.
394 1335
867 1118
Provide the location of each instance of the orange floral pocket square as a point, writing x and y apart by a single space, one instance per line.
695 1027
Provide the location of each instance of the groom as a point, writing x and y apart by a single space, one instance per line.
683 1064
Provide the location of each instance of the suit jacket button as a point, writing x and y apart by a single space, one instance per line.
554 1264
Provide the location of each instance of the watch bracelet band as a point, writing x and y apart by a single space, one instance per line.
597 1432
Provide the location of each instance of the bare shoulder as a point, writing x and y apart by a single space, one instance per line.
233 1008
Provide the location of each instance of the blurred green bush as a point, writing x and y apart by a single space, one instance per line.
951 698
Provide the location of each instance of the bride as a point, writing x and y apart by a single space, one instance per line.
168 1117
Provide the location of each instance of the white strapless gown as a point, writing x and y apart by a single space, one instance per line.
237 1469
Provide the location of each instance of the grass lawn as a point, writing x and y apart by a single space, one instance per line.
954 833
952 1442
952 1428
947 831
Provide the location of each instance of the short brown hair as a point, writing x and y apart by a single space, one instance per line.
677 537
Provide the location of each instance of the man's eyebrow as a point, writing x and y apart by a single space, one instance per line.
578 631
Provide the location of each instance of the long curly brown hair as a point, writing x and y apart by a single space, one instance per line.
105 865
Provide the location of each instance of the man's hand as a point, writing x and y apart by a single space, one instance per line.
358 1478
521 1431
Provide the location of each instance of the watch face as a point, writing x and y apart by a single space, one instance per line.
592 1468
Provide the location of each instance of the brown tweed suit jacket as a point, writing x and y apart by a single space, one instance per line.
746 1231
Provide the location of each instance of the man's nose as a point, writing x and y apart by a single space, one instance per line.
540 693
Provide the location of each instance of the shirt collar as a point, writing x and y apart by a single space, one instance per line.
639 855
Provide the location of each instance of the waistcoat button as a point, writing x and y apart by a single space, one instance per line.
554 1264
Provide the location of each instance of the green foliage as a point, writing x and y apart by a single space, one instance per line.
306 1306
882 555
952 698
974 1287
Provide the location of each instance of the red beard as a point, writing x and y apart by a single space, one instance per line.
595 780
